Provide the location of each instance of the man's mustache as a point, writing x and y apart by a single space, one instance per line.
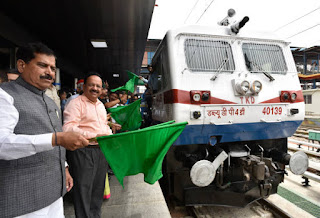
47 76
96 91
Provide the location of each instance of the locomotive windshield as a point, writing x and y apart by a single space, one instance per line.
262 58
208 55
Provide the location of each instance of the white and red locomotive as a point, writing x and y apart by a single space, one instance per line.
241 96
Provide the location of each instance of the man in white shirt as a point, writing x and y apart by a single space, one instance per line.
52 93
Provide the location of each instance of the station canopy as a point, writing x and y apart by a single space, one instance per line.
68 27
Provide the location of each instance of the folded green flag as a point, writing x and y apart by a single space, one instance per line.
140 151
128 116
129 86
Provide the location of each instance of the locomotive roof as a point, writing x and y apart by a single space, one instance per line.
223 31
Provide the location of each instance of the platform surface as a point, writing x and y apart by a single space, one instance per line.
297 200
137 199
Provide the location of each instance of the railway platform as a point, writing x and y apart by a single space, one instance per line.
296 199
137 199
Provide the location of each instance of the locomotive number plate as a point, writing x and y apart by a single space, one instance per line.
245 113
270 110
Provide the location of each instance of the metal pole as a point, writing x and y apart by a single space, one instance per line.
309 175
305 62
304 143
57 82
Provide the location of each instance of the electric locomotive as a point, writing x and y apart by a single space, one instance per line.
240 93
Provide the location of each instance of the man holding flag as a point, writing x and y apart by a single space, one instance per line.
87 116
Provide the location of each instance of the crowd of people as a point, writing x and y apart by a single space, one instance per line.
46 146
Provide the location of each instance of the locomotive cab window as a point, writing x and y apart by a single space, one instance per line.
208 55
159 80
264 58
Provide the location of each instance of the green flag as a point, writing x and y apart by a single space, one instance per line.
128 116
140 151
129 86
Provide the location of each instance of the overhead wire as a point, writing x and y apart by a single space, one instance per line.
205 11
303 31
297 19
191 11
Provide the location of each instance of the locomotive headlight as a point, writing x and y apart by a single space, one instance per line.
196 97
256 87
293 96
243 87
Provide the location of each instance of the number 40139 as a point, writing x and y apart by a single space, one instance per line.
272 111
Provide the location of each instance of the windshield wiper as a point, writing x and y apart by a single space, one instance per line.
264 72
268 75
250 63
223 62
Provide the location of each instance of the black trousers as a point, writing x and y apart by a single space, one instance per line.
88 169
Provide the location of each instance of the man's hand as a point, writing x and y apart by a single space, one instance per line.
69 180
124 98
70 140
115 127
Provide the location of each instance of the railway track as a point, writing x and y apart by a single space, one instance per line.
276 210
260 208
302 131
306 127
